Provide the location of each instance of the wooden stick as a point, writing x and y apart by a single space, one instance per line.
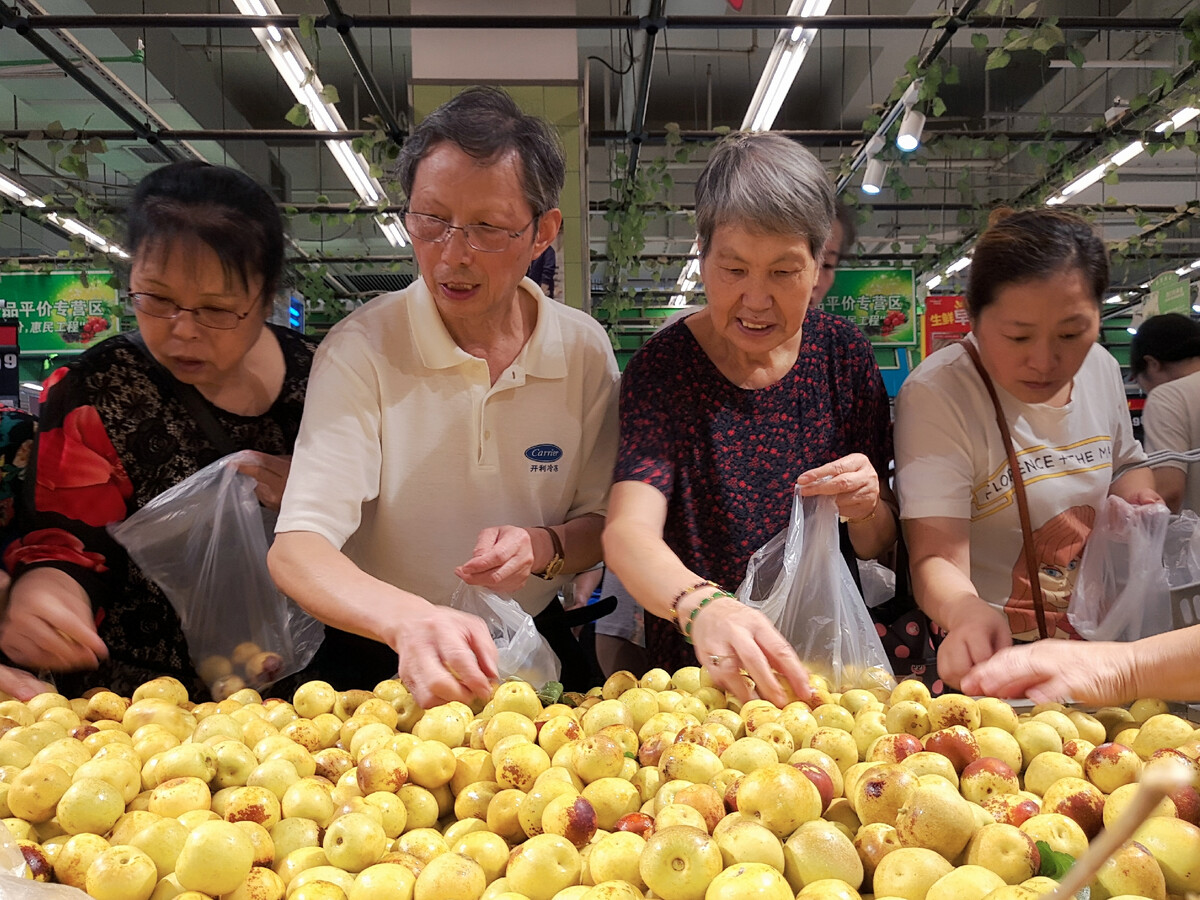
1156 783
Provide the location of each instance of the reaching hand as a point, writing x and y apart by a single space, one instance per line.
20 684
730 636
271 473
445 655
502 560
49 624
851 479
1057 671
971 642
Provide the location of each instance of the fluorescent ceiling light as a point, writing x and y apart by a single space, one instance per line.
1131 152
299 75
10 188
958 265
77 228
1115 298
1178 119
31 385
873 176
1131 329
785 60
933 282
909 138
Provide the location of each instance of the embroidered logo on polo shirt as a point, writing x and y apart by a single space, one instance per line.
544 457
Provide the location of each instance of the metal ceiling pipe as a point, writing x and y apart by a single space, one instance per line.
9 19
638 124
343 24
590 23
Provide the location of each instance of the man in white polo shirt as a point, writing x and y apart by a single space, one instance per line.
464 427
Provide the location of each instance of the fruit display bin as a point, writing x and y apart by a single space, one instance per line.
658 786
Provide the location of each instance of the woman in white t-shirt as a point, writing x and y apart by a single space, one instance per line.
1037 278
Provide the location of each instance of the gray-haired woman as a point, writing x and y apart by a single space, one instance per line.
724 412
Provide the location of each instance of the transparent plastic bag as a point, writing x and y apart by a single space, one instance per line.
1181 550
204 542
13 883
1122 593
524 653
799 580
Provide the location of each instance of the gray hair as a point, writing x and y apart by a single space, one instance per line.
486 123
768 183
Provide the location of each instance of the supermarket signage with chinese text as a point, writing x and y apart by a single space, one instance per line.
881 302
946 322
1168 294
57 312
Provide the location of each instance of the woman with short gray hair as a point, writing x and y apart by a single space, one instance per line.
724 412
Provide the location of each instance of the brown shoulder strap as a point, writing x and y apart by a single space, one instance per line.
1035 584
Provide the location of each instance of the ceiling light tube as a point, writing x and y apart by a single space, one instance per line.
1085 181
958 265
1115 298
933 282
12 189
1131 152
909 138
392 231
1178 119
873 176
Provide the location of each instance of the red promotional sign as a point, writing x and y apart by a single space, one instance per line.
945 322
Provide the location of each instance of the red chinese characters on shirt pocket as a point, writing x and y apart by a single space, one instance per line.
78 472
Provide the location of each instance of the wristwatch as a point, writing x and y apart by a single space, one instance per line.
555 566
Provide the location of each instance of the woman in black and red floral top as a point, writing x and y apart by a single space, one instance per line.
724 412
207 245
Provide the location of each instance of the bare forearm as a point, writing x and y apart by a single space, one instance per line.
1164 666
1171 484
945 592
1132 483
874 537
647 567
325 582
581 544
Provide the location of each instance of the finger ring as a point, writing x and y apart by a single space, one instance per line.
715 660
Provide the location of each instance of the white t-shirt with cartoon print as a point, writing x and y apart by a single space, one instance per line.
951 462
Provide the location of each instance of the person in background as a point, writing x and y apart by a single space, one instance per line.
116 430
724 412
842 237
1164 358
1036 283
463 428
542 270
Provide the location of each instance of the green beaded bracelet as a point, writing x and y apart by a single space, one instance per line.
687 629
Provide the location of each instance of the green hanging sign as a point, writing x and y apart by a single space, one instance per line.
881 302
57 312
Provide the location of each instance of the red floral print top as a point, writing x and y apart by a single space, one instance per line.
113 435
727 458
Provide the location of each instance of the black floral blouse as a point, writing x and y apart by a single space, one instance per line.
113 435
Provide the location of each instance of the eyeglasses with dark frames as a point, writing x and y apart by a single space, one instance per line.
208 316
484 238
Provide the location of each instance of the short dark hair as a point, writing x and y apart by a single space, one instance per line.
486 123
1032 245
1170 337
224 208
847 218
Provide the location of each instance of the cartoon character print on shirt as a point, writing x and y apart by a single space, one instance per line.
1058 545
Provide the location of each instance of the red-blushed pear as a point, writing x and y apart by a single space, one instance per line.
893 747
820 779
1112 765
636 822
987 777
1011 809
872 843
956 743
1078 799
1005 850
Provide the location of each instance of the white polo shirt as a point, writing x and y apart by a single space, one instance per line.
407 451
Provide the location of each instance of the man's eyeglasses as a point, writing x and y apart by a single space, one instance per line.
208 316
485 238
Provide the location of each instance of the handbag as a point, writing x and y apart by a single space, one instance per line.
1035 583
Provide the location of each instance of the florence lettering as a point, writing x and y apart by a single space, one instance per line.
1043 462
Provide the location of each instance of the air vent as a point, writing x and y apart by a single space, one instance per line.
376 283
149 153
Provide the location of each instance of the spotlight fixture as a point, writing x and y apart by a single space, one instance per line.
909 138
873 176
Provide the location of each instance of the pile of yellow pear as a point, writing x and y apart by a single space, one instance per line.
660 786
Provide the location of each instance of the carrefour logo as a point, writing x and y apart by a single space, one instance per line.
544 453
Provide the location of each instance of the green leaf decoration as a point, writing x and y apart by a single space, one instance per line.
1075 55
298 115
939 106
1054 864
329 94
998 59
322 198
979 41
308 27
1028 11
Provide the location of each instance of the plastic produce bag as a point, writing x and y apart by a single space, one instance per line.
1122 593
524 653
1181 551
799 580
204 542
13 883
